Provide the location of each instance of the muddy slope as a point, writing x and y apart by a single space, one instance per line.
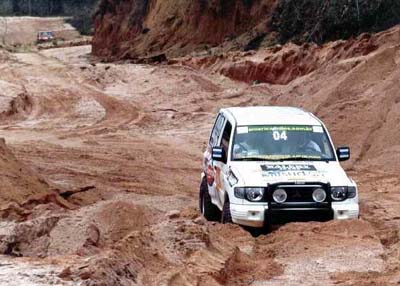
129 29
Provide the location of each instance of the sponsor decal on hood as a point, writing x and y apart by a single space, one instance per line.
298 171
277 167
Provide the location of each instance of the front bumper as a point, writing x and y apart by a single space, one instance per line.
260 215
249 215
346 210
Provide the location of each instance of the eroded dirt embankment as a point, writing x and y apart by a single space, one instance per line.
131 136
131 29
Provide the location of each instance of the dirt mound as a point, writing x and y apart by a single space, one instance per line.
19 107
18 183
282 64
93 228
147 27
179 252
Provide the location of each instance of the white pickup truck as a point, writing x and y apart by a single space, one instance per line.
271 165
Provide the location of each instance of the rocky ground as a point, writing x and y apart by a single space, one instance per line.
101 168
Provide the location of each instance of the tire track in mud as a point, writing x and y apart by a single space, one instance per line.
311 253
380 209
117 113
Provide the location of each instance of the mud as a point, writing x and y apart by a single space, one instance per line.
134 134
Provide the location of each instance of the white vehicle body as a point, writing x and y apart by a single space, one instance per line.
233 182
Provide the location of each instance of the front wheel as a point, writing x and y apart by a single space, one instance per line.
207 208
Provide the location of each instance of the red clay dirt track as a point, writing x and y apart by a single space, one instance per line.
101 168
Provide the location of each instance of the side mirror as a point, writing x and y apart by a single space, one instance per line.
343 153
218 154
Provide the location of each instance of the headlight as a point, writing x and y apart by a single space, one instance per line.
279 196
240 193
339 193
254 194
351 192
251 194
319 195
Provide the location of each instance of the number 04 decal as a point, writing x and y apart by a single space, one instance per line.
279 135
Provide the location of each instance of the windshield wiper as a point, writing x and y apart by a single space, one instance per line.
280 159
255 159
299 159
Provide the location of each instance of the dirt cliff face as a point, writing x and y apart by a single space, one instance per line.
133 28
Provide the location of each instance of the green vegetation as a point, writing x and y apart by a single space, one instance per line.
293 20
81 11
324 20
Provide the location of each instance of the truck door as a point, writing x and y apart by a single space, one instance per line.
222 168
209 167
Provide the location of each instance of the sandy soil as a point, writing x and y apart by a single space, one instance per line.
23 30
126 140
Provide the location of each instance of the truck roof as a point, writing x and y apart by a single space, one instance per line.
271 115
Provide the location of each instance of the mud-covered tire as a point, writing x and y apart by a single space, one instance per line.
207 208
226 216
257 231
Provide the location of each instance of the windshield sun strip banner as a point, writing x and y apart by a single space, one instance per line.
280 157
290 128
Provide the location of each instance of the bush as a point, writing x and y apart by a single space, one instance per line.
82 15
81 11
324 20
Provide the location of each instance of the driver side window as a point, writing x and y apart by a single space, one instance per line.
216 132
226 137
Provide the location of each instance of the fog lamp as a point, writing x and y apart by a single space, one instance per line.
279 196
319 195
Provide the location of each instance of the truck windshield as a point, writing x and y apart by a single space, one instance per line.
281 143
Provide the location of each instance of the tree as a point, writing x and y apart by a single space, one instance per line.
326 20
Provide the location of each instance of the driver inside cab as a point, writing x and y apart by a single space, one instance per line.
306 144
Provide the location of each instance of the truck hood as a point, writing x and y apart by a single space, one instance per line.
263 173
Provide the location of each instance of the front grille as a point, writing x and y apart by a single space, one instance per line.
298 193
300 205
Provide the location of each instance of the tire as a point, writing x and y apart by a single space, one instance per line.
207 208
226 216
